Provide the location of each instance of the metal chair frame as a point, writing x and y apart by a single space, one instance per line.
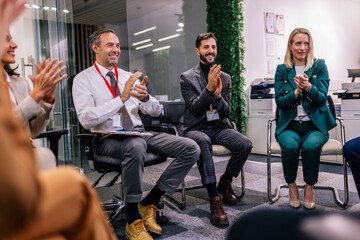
273 199
172 126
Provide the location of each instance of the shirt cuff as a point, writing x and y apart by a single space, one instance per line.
146 98
52 101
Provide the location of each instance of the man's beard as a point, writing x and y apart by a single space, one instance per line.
203 58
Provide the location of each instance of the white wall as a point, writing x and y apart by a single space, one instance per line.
23 34
334 25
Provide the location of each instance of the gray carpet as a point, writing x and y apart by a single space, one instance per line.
194 221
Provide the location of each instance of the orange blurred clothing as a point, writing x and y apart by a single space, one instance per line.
7 88
41 205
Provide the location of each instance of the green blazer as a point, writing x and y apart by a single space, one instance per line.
314 101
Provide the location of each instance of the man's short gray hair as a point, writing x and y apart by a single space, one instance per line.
95 38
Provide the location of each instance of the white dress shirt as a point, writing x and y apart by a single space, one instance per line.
300 71
95 105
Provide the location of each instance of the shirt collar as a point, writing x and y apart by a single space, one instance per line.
104 71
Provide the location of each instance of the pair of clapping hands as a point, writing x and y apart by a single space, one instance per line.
131 89
214 82
302 83
47 72
46 80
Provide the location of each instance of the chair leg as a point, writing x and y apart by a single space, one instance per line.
180 203
242 177
277 192
341 203
120 206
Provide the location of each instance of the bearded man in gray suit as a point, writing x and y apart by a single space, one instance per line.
207 94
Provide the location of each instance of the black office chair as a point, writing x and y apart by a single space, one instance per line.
173 112
331 147
53 137
107 164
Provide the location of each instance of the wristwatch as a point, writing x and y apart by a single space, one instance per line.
146 98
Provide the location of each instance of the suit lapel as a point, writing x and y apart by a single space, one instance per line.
200 77
290 76
309 73
19 92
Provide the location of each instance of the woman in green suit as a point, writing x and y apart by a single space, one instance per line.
301 86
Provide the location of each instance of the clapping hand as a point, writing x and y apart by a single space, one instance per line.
46 79
218 88
126 93
139 91
302 82
213 77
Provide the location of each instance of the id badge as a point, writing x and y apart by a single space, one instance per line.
301 112
117 121
212 115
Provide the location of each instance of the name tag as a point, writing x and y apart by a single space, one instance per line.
117 121
212 115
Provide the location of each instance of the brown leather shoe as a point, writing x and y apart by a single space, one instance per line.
224 188
137 231
218 215
148 213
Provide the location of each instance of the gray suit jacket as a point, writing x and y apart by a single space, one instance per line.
35 115
198 100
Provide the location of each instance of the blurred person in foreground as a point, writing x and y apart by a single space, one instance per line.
40 205
301 87
287 224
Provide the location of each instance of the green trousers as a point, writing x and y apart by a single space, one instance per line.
301 138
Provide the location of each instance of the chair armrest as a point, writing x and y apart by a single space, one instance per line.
53 137
53 134
170 128
88 136
342 129
268 133
86 140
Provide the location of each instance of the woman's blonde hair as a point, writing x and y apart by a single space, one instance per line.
310 58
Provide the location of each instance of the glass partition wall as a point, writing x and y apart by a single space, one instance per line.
156 47
45 31
157 38
162 41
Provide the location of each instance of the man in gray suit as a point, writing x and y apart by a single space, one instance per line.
207 94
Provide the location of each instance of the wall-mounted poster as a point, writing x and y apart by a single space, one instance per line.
280 25
269 22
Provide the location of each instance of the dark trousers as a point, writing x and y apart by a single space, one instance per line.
301 138
351 152
239 145
131 151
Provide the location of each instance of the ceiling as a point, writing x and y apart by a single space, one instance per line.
99 12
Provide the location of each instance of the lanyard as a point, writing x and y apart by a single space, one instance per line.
106 81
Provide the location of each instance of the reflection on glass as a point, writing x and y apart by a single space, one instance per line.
161 58
52 32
